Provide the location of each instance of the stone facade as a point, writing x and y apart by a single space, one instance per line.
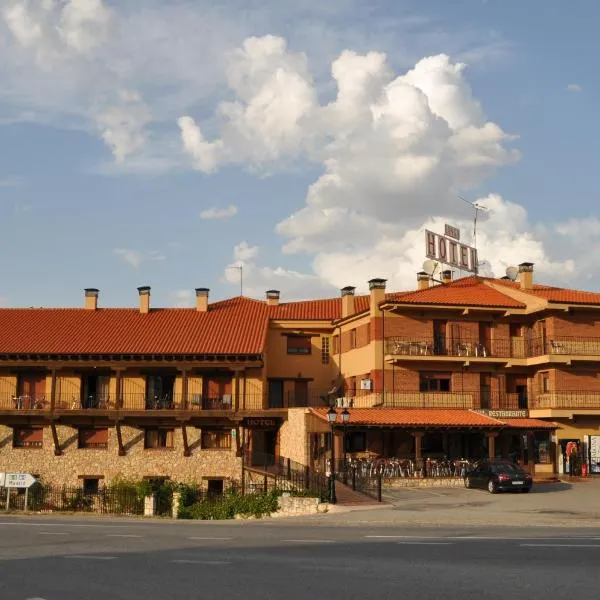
77 463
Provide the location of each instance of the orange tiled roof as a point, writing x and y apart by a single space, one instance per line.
468 291
233 326
408 417
556 294
528 424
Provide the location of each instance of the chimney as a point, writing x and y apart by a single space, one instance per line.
526 275
272 297
377 291
144 293
91 298
202 299
422 280
447 276
347 301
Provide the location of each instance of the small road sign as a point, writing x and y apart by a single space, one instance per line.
19 480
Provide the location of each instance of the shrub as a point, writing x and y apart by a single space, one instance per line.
227 506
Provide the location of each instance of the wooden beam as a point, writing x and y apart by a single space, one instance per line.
57 450
184 389
120 439
186 446
53 391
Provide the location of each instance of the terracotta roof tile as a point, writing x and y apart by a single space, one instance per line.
468 291
408 417
233 326
529 424
556 294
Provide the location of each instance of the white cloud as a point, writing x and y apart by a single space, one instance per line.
219 213
135 258
574 87
181 298
243 252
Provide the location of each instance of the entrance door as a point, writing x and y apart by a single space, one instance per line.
300 393
94 391
264 446
439 337
485 384
31 390
275 393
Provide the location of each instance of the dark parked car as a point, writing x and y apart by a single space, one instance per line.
498 476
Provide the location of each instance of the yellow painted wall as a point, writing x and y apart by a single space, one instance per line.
68 389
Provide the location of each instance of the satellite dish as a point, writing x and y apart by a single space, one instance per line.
429 266
512 273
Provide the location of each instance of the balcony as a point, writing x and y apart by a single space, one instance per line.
25 404
574 400
574 346
442 347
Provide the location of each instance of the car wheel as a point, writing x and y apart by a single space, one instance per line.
491 487
468 483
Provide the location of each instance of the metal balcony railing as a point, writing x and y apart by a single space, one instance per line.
468 400
567 400
10 401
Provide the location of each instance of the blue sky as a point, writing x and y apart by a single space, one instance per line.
120 125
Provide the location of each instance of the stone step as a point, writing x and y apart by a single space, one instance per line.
347 497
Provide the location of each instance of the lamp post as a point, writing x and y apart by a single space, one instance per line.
345 419
332 418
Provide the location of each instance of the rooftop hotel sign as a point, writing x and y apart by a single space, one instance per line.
448 250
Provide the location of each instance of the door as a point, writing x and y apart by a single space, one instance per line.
439 337
159 391
94 391
485 384
300 393
31 390
275 393
485 339
217 391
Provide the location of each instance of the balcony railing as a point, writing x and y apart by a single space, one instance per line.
464 400
512 347
567 400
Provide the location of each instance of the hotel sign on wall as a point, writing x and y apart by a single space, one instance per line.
448 250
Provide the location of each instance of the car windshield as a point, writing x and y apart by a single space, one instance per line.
507 468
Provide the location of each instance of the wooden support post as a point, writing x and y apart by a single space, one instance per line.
57 450
186 447
119 389
120 439
491 436
184 391
53 391
236 390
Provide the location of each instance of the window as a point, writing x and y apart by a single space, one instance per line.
356 441
90 485
352 338
216 439
28 437
298 344
325 350
434 383
335 346
158 438
215 487
542 448
544 383
93 438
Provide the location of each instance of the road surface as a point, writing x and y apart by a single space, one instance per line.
58 558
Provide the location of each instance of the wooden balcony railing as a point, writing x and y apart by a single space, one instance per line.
567 400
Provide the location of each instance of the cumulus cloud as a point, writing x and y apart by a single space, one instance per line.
219 213
135 258
181 298
575 88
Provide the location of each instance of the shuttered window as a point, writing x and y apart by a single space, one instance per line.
28 437
93 438
158 438
216 439
298 344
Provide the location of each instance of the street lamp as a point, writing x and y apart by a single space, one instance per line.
332 418
345 419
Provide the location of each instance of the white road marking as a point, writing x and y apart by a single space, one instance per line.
90 557
53 533
559 545
66 525
124 535
310 541
218 539
189 561
424 543
477 538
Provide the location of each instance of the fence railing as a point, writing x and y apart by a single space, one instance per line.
463 400
566 400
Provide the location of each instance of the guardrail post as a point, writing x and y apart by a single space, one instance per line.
379 486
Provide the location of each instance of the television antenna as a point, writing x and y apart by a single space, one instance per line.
240 268
477 207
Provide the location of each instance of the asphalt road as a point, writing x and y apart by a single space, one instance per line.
96 559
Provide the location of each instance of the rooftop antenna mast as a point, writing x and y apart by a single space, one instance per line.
477 207
240 268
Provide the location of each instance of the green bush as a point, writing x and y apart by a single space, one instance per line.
226 507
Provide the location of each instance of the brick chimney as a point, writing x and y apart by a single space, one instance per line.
272 297
348 301
91 298
144 293
202 299
377 293
526 275
447 276
422 280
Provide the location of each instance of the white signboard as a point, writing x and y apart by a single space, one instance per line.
2 479
594 450
450 251
19 480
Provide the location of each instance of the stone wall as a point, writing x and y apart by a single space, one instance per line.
76 463
293 436
293 505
